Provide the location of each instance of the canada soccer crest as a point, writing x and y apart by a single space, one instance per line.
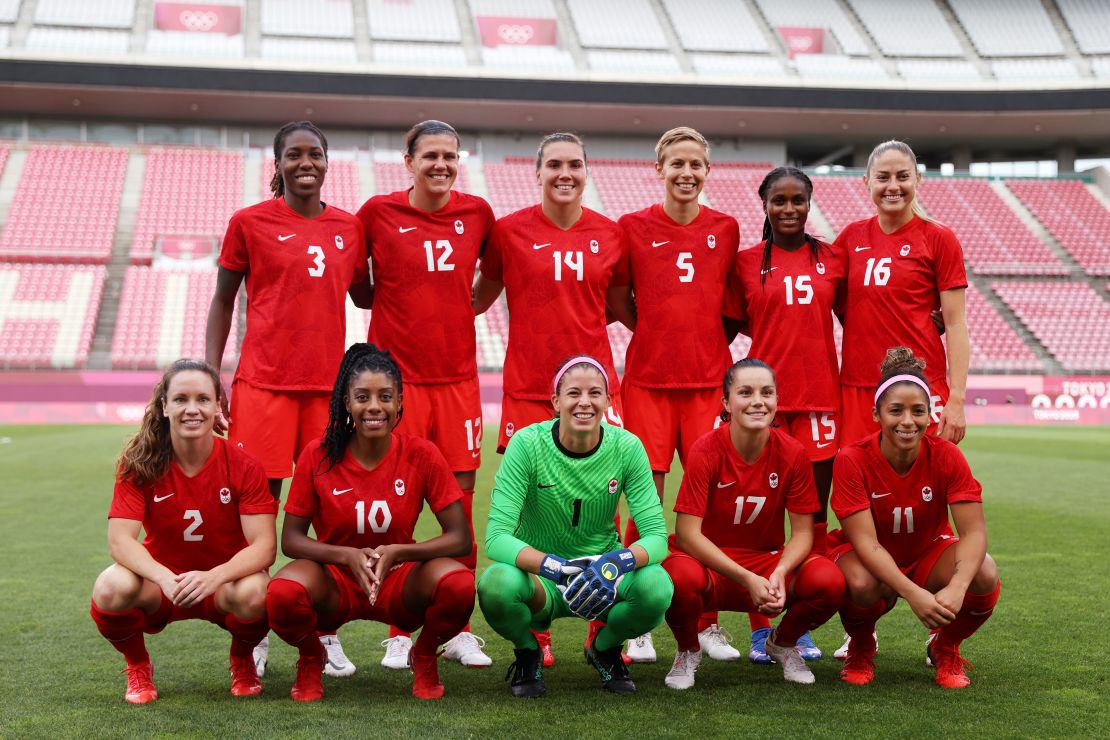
399 487
711 241
509 429
773 480
926 494
458 227
905 250
820 268
594 246
338 242
614 486
225 495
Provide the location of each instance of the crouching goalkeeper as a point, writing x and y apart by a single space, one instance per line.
552 537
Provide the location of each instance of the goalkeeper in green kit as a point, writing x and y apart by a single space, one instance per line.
556 550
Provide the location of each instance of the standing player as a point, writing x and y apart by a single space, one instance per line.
893 492
551 535
424 243
561 266
209 523
739 484
300 258
361 487
680 254
784 290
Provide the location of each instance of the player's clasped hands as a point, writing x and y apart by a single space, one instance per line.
594 590
362 563
194 586
766 596
929 610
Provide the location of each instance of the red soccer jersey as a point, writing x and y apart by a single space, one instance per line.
298 272
911 510
555 284
894 282
193 523
423 273
789 315
678 274
743 507
355 507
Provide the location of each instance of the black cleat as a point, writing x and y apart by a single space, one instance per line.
527 674
610 666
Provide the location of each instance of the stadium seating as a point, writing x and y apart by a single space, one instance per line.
633 62
616 24
172 203
842 200
1068 318
48 314
9 10
994 239
5 36
66 205
1078 220
389 177
98 13
340 185
189 44
1024 29
512 185
162 317
838 66
715 25
420 55
736 65
626 185
1101 67
937 70
528 58
995 347
1031 70
413 20
331 19
888 23
735 190
514 8
318 51
825 14
1087 22
492 329
79 40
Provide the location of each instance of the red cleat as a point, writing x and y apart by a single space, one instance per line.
544 639
425 676
951 667
244 676
309 686
859 666
140 683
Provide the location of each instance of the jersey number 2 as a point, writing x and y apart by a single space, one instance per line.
193 514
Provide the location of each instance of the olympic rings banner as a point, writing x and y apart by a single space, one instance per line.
802 40
500 30
198 18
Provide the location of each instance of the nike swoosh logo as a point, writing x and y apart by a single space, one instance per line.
860 249
337 492
540 246
823 444
659 244
162 498
549 485
879 495
764 272
285 237
403 230
726 485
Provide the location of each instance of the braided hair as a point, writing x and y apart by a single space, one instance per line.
361 357
277 184
737 367
768 233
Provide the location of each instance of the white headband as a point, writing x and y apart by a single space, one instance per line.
900 379
580 360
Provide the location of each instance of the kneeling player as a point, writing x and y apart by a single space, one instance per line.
893 492
209 521
552 538
361 487
740 481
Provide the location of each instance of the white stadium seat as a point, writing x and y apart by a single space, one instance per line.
420 55
889 22
9 11
616 24
937 70
838 66
310 50
736 65
95 13
327 18
633 62
190 44
1019 28
79 40
528 58
715 25
413 20
825 14
1022 70
1089 21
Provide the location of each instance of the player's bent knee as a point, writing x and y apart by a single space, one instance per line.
117 588
652 590
247 596
500 585
987 577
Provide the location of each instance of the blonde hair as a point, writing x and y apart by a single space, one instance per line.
901 147
677 134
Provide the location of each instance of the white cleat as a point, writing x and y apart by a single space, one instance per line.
261 656
929 649
466 648
397 652
641 649
337 664
681 675
794 668
716 643
842 651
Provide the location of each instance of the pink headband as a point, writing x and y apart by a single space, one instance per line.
580 360
900 379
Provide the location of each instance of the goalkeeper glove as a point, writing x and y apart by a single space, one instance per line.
594 590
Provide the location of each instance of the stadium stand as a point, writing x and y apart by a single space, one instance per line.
61 212
319 51
995 347
420 55
887 23
633 62
1087 22
715 25
838 66
937 70
1024 29
616 24
734 190
512 184
340 185
842 200
330 19
1101 66
1034 70
9 10
89 13
413 20
79 40
161 318
48 314
514 8
166 207
1068 318
492 330
826 14
736 65
1073 216
625 185
389 177
194 45
528 58
5 36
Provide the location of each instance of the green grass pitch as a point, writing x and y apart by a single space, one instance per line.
1040 663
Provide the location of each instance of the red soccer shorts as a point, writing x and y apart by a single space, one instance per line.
274 426
669 420
729 596
918 571
388 608
856 405
818 431
449 415
169 612
517 413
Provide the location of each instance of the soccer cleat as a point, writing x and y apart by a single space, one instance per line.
757 652
859 665
717 644
595 626
794 668
308 685
527 674
544 639
261 656
681 675
808 650
425 676
140 683
244 677
466 648
929 648
641 649
397 652
337 664
952 668
842 651
611 667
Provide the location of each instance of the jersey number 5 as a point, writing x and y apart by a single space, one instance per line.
379 517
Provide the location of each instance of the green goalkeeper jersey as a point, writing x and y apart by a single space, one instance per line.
561 502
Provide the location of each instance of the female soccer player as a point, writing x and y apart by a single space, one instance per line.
784 289
300 257
680 254
551 535
900 268
555 260
739 484
361 487
893 492
209 522
424 243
